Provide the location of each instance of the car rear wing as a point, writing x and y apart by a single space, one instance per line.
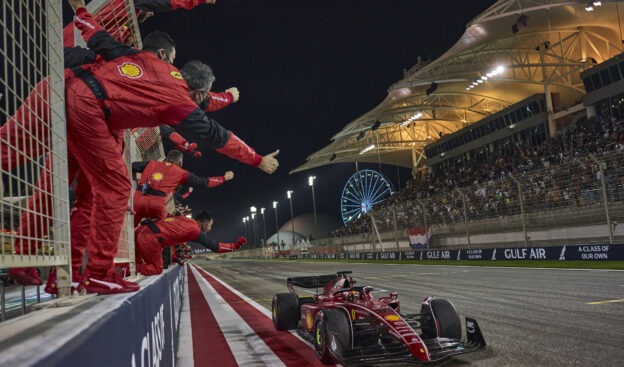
310 281
314 281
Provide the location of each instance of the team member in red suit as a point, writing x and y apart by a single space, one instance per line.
152 236
28 122
211 102
35 221
113 16
207 101
159 180
130 89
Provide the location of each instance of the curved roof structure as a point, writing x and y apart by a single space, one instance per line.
305 227
514 49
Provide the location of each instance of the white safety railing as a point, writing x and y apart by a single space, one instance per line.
34 187
34 199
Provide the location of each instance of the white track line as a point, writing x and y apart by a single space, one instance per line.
248 349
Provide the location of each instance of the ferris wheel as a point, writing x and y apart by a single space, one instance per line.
363 190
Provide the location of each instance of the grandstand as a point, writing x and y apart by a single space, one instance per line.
513 135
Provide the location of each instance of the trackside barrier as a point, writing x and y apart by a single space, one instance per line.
137 329
603 252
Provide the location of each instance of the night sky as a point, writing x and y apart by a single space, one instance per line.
305 69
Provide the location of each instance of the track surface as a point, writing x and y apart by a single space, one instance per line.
529 317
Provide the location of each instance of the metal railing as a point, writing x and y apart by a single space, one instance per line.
34 233
34 187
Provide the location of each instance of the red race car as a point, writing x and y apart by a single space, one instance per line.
348 325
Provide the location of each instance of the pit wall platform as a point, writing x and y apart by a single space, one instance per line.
132 329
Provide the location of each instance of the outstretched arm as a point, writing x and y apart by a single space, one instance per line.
219 247
181 144
95 36
209 182
195 123
220 100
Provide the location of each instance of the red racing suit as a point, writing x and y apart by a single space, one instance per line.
218 100
152 237
158 181
114 18
214 102
136 90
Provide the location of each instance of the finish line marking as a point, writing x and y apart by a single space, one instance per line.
603 302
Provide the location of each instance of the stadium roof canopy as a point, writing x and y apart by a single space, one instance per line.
542 46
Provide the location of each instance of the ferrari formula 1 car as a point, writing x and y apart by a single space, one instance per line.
348 325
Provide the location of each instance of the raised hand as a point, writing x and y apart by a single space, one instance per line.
269 163
76 4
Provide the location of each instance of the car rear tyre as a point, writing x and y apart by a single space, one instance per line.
448 319
285 311
336 322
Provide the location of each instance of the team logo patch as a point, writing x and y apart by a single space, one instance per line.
130 70
157 176
169 219
176 74
393 318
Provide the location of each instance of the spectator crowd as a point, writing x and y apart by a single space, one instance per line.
553 174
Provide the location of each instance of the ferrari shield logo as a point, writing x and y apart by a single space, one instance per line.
176 74
169 219
157 176
130 70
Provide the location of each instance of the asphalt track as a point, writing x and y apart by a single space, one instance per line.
529 317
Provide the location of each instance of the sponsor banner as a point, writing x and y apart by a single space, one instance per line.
438 255
388 256
354 255
573 252
592 252
419 237
143 331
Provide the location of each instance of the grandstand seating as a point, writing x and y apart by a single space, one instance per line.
557 177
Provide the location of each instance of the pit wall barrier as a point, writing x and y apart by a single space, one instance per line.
133 329
588 252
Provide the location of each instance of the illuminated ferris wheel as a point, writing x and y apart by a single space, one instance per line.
362 191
